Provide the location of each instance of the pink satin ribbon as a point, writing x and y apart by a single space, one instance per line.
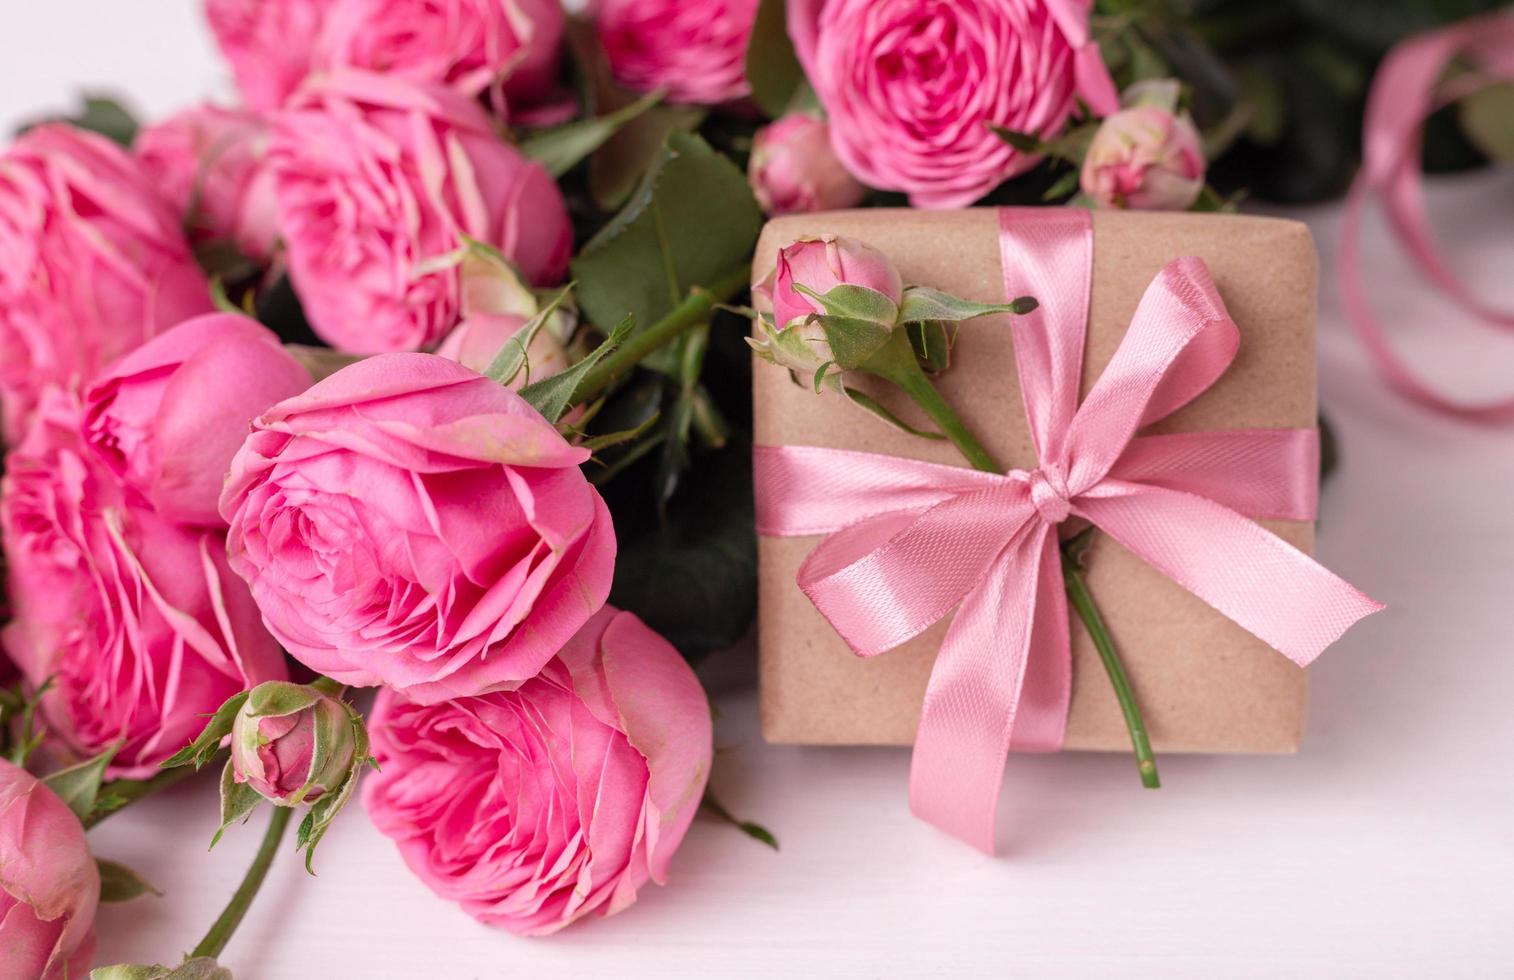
1405 92
907 542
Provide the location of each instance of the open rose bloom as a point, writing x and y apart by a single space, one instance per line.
535 807
911 85
508 47
695 50
49 885
138 622
409 522
377 181
208 162
168 417
268 43
92 263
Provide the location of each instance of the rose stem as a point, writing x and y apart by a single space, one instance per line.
220 932
896 363
128 791
694 310
1082 601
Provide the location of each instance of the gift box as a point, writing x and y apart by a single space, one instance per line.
1203 683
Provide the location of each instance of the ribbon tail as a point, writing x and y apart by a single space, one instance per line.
1255 578
1002 678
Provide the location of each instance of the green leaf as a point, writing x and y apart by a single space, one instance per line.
1487 117
756 831
208 742
617 168
79 785
1024 142
772 68
100 114
1062 186
691 221
512 357
922 303
238 800
551 396
865 401
118 883
562 148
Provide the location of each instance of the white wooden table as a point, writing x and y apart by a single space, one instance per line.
1385 849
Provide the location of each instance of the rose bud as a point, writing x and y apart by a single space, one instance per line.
208 162
292 743
474 550
194 968
169 416
560 799
94 263
849 328
695 50
793 168
1146 158
49 884
817 265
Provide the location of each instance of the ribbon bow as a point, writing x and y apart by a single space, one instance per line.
911 541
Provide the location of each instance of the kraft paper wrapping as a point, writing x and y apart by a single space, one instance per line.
1203 683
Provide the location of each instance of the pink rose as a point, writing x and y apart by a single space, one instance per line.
535 807
408 522
820 264
1147 158
512 46
92 263
168 417
139 622
207 162
268 43
693 49
375 177
911 85
49 885
793 168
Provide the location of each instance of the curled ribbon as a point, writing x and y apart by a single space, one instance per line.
908 541
1406 91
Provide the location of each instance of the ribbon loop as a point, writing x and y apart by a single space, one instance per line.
909 542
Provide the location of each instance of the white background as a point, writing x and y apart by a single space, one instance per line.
1385 849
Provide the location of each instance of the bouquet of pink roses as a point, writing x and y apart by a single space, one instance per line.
422 370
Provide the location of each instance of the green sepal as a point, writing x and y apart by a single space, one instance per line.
921 304
562 148
595 443
313 827
851 341
197 968
118 883
238 800
854 302
512 357
208 742
932 341
275 699
79 785
551 396
866 401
